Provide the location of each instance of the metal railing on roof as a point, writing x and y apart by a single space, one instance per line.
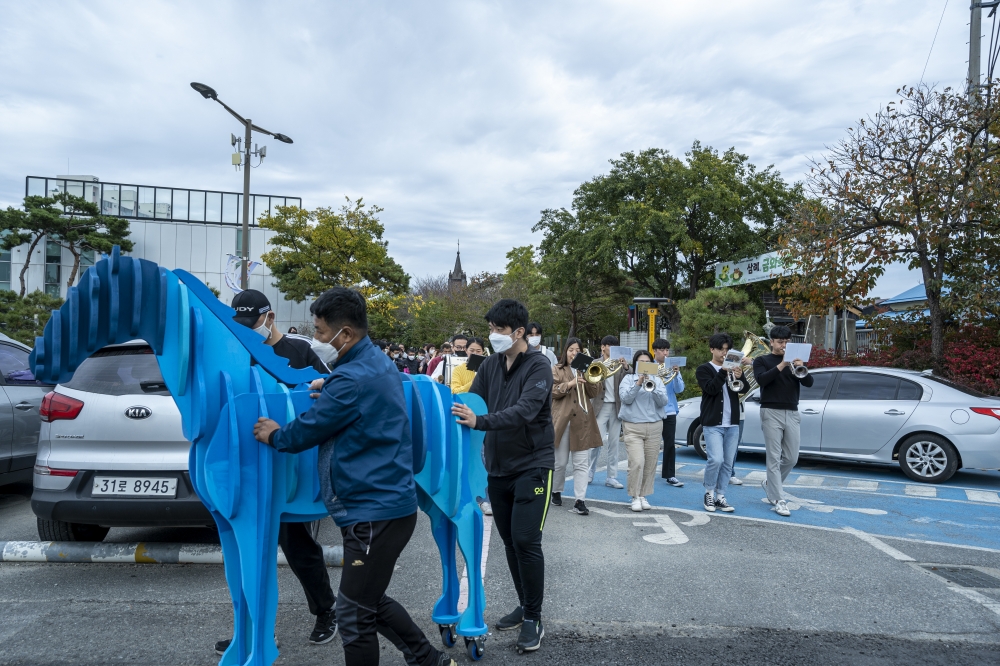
168 204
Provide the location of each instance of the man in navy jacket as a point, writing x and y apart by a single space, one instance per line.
360 424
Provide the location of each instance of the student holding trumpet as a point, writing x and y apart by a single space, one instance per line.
643 398
576 431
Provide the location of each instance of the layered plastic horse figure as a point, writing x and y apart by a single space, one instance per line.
249 488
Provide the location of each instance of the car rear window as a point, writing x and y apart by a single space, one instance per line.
120 371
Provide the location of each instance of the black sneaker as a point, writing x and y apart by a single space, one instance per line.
445 660
531 636
222 646
709 503
557 499
722 505
581 508
510 621
325 629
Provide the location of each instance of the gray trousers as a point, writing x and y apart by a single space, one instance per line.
610 426
781 439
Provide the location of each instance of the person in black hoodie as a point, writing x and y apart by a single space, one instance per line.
516 384
720 421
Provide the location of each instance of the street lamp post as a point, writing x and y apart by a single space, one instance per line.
209 93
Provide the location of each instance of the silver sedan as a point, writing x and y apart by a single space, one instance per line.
929 425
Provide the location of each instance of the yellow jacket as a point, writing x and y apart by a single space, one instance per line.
461 379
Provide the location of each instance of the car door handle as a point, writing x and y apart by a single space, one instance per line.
809 411
894 412
23 406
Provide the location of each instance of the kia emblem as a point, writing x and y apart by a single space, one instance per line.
138 412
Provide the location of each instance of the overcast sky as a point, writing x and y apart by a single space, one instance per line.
460 119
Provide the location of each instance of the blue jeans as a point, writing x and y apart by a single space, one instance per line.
720 445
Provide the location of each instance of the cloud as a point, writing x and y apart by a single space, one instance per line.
460 119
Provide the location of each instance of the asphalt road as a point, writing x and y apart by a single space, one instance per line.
827 586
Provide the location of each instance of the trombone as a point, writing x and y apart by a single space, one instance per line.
599 370
580 395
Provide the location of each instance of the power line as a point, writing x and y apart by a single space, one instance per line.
940 20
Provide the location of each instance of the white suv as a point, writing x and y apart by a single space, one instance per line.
111 451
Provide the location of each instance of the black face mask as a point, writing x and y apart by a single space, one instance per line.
461 354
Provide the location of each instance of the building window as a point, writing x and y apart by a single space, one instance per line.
53 270
87 258
4 269
239 243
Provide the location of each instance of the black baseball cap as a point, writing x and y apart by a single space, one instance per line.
249 306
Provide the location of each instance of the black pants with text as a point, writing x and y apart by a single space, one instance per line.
669 448
363 609
520 503
305 559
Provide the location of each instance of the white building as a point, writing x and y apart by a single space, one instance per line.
195 230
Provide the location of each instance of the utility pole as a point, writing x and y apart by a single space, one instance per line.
247 204
975 47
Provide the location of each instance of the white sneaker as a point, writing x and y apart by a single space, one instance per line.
645 504
782 509
614 483
735 481
486 508
637 505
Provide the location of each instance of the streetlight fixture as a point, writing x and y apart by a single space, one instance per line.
209 93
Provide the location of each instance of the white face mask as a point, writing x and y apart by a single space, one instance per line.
411 357
534 340
264 330
501 342
326 351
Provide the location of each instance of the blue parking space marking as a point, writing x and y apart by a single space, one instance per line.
878 500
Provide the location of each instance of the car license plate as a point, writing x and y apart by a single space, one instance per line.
134 487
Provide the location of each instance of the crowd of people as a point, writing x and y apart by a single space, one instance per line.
546 418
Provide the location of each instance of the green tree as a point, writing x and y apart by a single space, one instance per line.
73 222
916 184
711 311
23 318
312 251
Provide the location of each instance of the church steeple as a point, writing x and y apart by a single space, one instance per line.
456 278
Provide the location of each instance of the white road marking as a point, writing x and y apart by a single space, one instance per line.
755 476
700 474
870 486
981 599
672 535
807 480
920 491
983 496
879 544
463 584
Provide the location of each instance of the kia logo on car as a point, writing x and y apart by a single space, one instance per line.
138 412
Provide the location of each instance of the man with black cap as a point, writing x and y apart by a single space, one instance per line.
304 555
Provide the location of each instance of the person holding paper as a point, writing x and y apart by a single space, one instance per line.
661 350
779 414
642 421
720 418
576 430
607 404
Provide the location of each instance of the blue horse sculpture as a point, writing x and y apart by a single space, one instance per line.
205 358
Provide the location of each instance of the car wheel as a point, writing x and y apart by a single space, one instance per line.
57 530
928 458
698 441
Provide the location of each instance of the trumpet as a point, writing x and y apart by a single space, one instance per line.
598 371
666 374
800 371
735 385
580 396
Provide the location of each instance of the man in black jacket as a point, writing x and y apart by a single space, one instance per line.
779 415
720 421
516 384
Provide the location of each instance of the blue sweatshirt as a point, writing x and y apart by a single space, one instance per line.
360 424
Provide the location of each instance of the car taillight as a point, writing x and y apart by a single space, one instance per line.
56 406
987 411
48 471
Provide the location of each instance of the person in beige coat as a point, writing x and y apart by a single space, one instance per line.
576 430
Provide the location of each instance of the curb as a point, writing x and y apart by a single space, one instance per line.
83 552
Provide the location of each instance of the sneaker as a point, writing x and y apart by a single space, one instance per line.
763 486
614 483
781 508
637 505
735 481
325 629
531 636
722 505
486 508
510 621
581 508
557 499
644 504
709 502
222 646
445 660
675 482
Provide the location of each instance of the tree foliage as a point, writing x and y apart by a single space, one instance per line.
916 184
70 221
312 251
23 318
